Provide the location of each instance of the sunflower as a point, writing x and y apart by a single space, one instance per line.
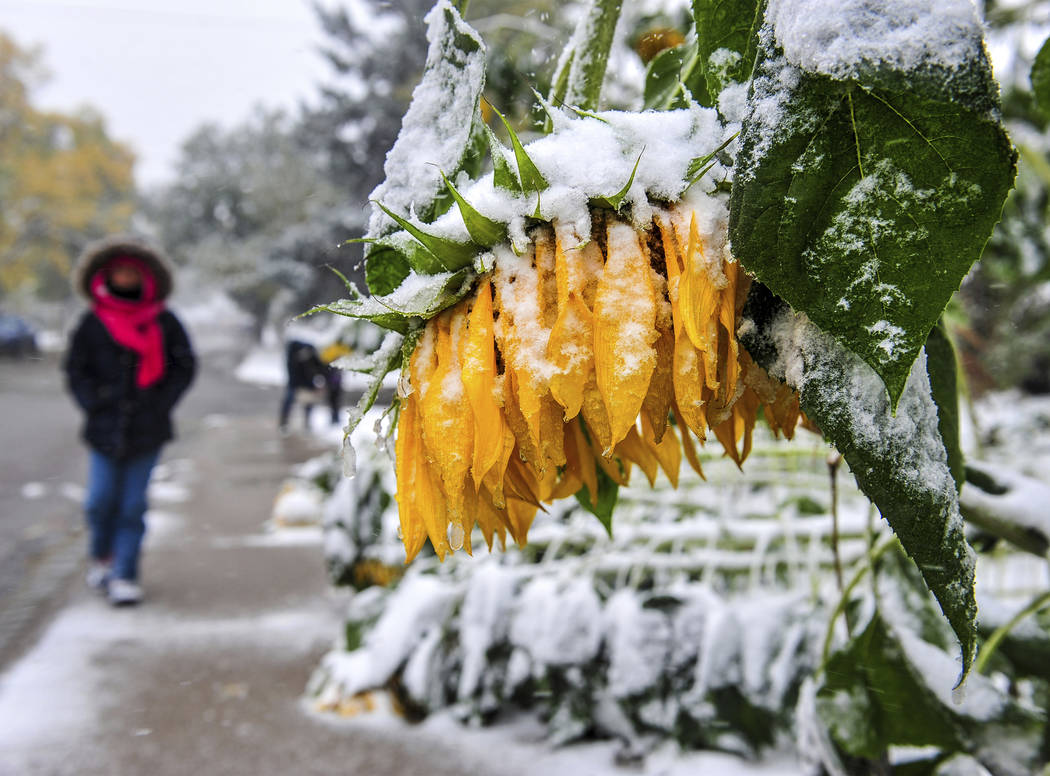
577 359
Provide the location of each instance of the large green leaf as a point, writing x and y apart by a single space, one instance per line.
727 40
385 268
865 204
898 458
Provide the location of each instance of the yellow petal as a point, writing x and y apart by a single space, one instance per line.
688 448
429 500
580 468
494 479
595 415
698 297
618 469
521 482
667 451
408 451
727 319
633 449
571 345
519 519
514 415
489 518
688 379
657 403
479 382
448 422
624 330
543 240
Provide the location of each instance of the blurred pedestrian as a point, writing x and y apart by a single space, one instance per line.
306 379
129 362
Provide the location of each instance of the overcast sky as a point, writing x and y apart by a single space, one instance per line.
157 69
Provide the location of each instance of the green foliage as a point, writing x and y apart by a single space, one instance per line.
614 201
387 267
729 27
1041 79
663 78
450 255
582 71
608 494
942 367
865 203
869 684
482 229
529 176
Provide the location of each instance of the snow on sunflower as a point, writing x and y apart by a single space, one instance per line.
576 359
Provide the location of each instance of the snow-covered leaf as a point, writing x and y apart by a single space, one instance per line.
865 189
867 686
898 458
439 130
615 200
504 177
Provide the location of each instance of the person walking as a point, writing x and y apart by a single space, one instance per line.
128 363
307 379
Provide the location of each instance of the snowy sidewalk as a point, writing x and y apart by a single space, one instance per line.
207 675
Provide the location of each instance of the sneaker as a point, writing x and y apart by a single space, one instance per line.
97 577
124 592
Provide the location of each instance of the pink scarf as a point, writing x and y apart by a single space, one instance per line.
133 322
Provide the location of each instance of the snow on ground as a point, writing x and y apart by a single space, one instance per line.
516 747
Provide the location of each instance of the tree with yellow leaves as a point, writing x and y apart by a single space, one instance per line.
63 180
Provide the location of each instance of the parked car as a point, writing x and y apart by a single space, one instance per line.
17 336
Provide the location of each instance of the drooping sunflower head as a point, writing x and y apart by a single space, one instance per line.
573 316
572 362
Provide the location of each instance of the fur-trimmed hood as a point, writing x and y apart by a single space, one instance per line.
97 254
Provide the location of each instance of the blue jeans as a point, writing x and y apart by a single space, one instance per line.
116 509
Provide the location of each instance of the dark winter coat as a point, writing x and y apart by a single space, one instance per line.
305 368
124 420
